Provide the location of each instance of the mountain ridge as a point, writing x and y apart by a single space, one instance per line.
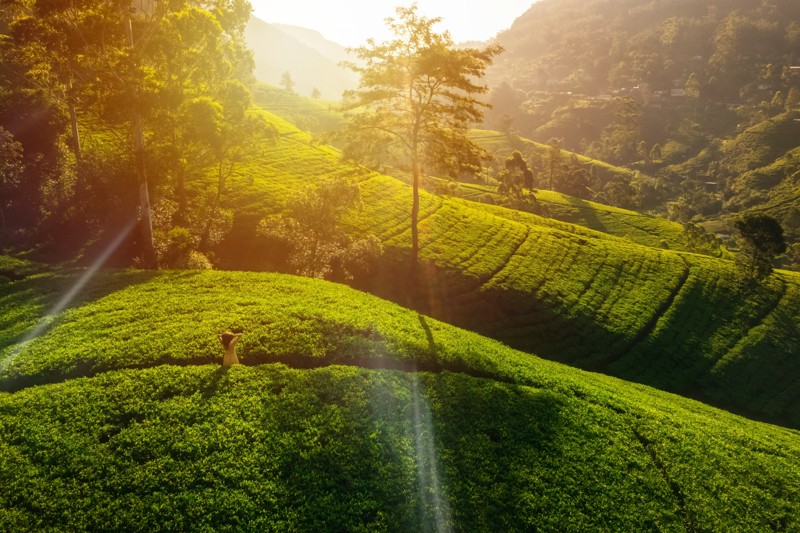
311 60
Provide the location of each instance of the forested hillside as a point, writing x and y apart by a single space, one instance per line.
677 90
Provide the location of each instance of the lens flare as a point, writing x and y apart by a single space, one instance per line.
68 296
432 497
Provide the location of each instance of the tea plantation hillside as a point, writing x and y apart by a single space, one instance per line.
319 116
348 413
675 321
636 227
309 114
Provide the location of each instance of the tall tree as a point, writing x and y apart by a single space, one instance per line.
515 177
233 133
417 97
554 159
287 82
11 168
131 64
761 239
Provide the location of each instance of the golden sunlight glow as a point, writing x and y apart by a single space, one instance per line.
352 22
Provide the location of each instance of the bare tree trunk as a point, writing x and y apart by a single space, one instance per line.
206 235
76 145
148 246
183 202
414 220
76 136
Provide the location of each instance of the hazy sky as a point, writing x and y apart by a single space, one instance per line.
351 22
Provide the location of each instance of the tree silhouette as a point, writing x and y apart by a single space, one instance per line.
761 240
515 177
287 82
417 99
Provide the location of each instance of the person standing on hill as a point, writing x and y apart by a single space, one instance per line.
228 341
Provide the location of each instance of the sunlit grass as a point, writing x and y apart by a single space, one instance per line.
407 422
555 288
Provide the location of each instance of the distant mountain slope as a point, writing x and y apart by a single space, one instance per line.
316 41
703 96
311 60
596 46
348 413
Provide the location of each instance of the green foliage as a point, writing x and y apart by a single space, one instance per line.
761 240
515 177
11 170
428 424
704 83
313 232
700 241
416 99
133 71
569 172
287 82
619 141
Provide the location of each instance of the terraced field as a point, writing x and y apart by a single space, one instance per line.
498 143
348 413
636 227
639 228
668 319
317 116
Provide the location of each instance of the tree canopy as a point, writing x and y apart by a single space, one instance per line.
761 240
139 71
417 97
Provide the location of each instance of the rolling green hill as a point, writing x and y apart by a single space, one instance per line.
316 116
638 228
348 413
499 144
680 322
319 117
642 229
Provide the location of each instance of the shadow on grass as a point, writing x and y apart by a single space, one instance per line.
681 347
31 300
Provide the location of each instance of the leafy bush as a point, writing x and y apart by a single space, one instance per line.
438 426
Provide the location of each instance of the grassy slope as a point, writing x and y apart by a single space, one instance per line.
329 426
498 143
317 116
636 227
670 320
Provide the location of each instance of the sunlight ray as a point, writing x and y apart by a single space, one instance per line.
70 294
432 496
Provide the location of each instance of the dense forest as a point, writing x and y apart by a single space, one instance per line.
701 99
110 112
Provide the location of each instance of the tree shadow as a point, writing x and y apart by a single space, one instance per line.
25 303
578 335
